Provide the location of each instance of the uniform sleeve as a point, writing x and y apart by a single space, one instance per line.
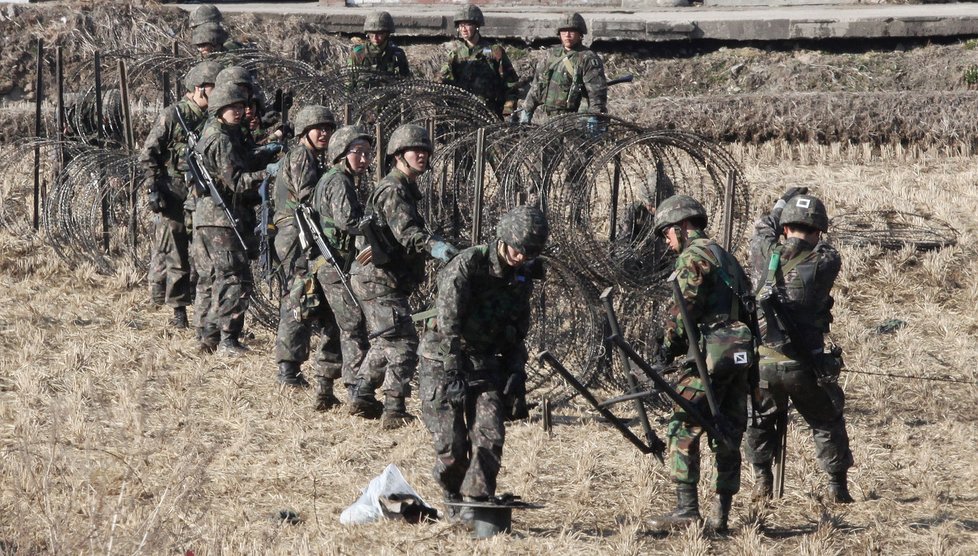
454 292
829 267
531 101
595 83
447 74
225 164
691 273
508 75
400 60
761 244
401 218
302 175
153 156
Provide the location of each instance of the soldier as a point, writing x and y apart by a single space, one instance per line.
570 79
257 126
473 360
224 283
164 162
295 181
794 278
387 271
713 285
479 66
335 201
379 53
209 38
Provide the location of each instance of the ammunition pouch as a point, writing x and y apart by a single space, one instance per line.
728 347
383 245
305 297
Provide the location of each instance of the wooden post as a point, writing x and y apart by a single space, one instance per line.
478 184
38 99
178 79
615 191
348 114
380 154
728 201
131 145
60 77
101 136
165 78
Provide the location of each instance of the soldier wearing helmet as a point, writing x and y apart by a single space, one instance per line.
386 273
204 14
164 163
570 78
295 179
794 270
224 275
479 65
714 289
338 207
379 53
209 38
473 355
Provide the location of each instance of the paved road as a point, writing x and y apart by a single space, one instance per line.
750 23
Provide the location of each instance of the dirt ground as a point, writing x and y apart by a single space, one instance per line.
117 436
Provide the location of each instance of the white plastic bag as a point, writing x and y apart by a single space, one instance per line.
367 508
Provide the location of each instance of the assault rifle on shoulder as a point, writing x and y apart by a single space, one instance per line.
202 179
310 235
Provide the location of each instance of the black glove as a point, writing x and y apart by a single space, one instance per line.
514 397
455 389
155 201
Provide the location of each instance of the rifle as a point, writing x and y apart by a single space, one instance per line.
203 182
266 252
692 335
309 229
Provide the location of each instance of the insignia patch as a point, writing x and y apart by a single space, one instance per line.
740 358
803 203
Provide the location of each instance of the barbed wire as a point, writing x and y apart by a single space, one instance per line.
892 229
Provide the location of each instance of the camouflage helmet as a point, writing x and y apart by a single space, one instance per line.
471 13
340 142
675 209
201 74
806 210
378 22
205 13
525 229
313 115
236 75
224 95
409 136
208 33
572 21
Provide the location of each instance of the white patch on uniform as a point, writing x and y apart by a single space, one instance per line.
803 203
740 358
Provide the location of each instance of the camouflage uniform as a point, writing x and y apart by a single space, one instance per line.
704 270
802 282
224 283
568 81
389 59
484 70
344 338
295 182
384 290
483 318
164 164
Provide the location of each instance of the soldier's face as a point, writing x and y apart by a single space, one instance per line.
673 238
206 48
570 38
416 160
232 114
467 30
512 257
358 156
378 38
319 137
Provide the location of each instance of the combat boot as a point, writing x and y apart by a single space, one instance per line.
363 403
290 375
179 319
719 521
325 400
230 347
395 413
763 482
687 511
452 512
839 488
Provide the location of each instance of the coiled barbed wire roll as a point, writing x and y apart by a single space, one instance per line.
265 297
892 229
566 319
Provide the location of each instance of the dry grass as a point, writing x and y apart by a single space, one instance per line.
117 437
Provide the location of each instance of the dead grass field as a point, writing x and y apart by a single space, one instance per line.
117 437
